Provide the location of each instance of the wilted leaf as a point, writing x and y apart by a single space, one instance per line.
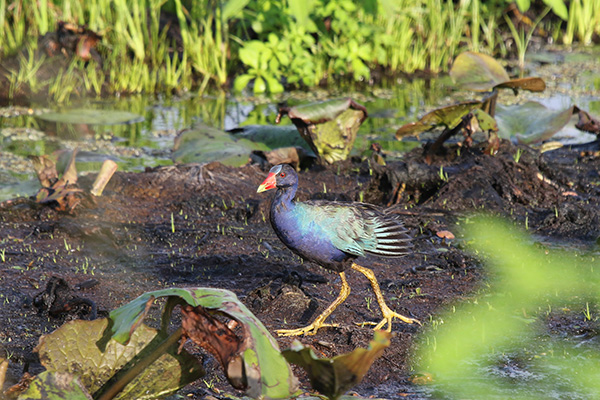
332 377
476 71
45 169
216 337
485 120
287 155
329 127
323 111
70 175
445 234
531 122
55 386
92 117
587 123
449 117
267 373
531 84
72 349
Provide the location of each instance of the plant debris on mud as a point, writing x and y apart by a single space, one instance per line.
205 225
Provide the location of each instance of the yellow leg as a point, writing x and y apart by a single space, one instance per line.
319 322
388 314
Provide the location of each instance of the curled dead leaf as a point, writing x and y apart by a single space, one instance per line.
216 337
445 235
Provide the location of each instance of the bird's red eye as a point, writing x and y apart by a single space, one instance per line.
282 174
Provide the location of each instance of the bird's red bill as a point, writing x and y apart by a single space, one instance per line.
269 183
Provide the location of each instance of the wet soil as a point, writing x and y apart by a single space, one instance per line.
122 244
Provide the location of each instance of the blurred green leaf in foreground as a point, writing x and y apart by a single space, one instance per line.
511 340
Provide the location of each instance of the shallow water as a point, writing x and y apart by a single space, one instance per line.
391 104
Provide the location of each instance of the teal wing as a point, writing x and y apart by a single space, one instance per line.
356 228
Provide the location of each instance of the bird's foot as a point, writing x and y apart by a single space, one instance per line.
309 330
388 316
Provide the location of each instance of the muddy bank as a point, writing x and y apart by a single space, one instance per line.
110 250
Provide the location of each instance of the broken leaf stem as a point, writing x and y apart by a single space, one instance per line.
107 393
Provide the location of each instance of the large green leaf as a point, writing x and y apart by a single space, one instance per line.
476 71
531 122
55 386
480 72
91 117
206 144
266 371
334 376
72 349
449 117
271 136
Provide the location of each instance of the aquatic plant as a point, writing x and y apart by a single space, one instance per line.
468 351
177 45
121 357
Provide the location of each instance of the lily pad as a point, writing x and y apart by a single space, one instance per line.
266 372
72 349
476 71
329 127
449 117
91 117
334 376
206 144
273 137
531 122
55 386
480 72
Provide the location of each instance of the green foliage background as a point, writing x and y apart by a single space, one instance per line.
468 347
165 45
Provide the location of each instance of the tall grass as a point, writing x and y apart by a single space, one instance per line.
139 56
583 22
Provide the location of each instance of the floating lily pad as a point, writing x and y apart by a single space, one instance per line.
449 117
480 72
72 349
531 122
265 371
273 137
206 144
91 117
334 376
329 127
476 71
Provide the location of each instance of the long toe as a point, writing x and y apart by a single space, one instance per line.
306 331
389 315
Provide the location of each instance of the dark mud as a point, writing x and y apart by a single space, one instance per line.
61 266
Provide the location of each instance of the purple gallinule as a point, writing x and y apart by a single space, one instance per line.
332 234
